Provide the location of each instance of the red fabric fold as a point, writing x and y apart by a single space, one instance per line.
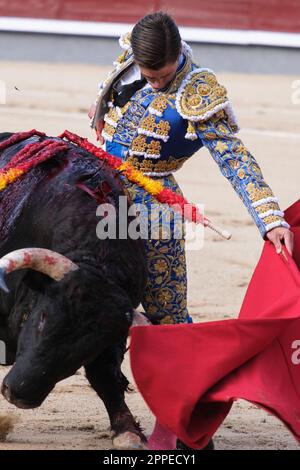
189 375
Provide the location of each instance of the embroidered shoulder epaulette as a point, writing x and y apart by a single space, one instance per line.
200 96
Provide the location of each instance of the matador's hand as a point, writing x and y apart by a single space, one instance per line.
281 233
99 124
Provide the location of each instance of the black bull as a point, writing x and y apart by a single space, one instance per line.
52 328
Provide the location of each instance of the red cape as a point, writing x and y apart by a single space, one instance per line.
190 374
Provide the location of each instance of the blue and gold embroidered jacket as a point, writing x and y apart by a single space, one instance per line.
157 131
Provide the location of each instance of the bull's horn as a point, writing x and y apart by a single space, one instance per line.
45 261
3 285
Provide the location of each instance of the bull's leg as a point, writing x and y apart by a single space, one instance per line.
106 378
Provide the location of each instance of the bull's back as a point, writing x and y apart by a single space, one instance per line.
49 185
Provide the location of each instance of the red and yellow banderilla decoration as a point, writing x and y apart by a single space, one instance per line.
33 154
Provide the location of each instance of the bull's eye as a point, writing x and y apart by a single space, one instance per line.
42 322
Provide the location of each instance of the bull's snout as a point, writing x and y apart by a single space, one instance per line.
13 398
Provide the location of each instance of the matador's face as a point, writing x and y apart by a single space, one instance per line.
160 78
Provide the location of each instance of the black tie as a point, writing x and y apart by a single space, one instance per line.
123 93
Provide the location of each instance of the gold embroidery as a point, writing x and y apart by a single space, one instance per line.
139 144
163 257
152 309
149 127
148 123
179 270
255 168
220 91
201 95
210 135
241 173
160 166
163 128
266 207
256 194
121 58
202 127
191 127
165 296
109 130
271 218
219 116
191 131
204 89
113 115
221 146
211 79
223 129
240 148
145 166
234 127
194 101
180 288
190 89
125 107
154 147
160 103
179 77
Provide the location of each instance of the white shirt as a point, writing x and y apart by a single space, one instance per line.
132 75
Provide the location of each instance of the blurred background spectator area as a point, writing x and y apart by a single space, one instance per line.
266 15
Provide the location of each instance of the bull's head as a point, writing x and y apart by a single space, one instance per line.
71 316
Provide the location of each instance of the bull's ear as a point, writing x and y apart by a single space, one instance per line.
37 281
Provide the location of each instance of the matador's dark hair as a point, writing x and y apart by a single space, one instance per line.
155 41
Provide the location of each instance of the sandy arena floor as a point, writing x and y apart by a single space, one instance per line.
51 98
